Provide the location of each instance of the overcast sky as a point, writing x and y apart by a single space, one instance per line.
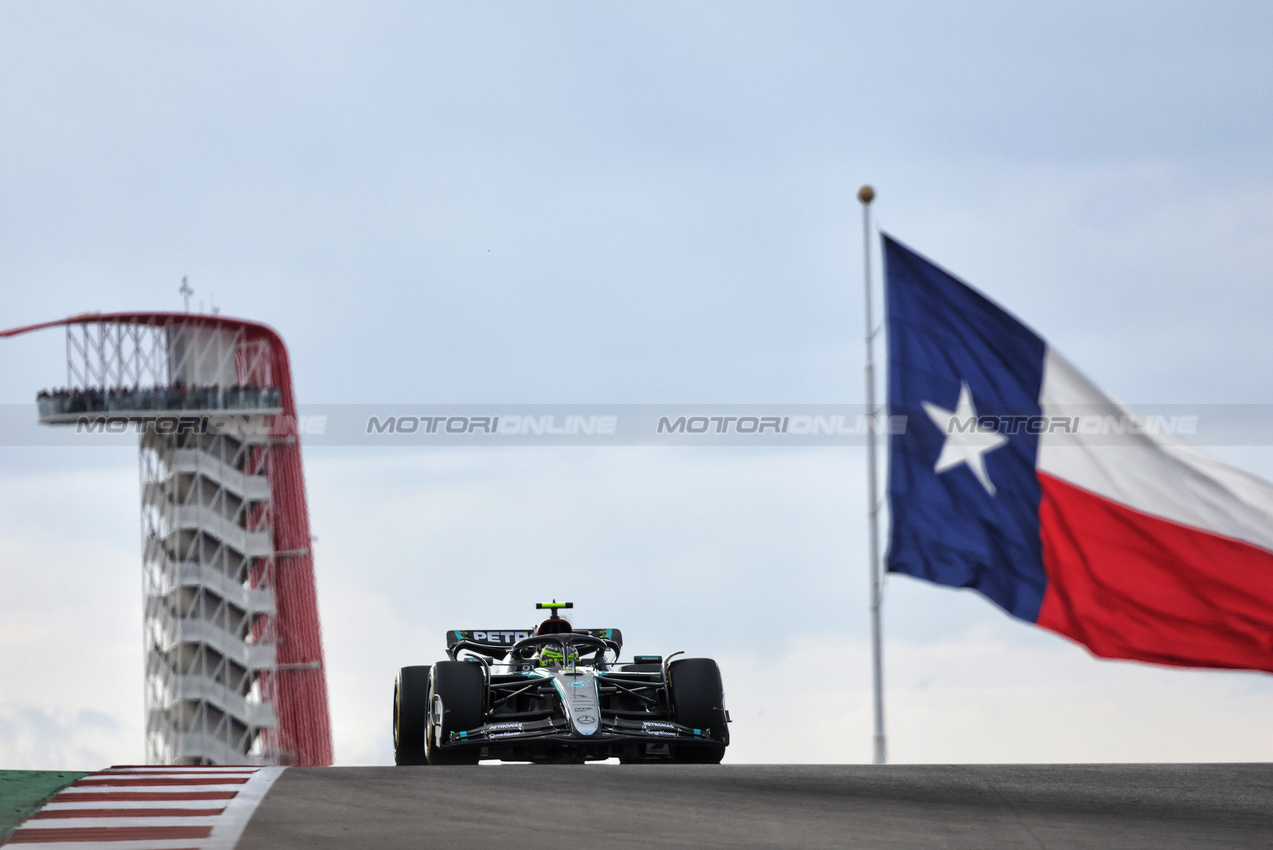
644 202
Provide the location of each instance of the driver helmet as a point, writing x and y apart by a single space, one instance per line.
552 656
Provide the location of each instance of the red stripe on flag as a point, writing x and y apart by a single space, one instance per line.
1129 585
143 796
58 814
108 833
122 782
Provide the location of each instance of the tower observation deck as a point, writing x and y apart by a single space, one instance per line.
234 657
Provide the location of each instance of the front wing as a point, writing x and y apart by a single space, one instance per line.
558 731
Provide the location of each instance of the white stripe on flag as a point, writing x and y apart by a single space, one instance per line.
1156 474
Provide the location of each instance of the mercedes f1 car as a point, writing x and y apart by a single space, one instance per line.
557 694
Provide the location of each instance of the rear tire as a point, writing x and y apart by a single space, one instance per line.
410 710
461 686
698 701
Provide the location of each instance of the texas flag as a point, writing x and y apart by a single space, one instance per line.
1017 477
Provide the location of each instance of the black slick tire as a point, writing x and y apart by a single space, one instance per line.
461 687
698 701
410 711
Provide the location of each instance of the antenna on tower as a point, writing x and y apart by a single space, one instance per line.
186 291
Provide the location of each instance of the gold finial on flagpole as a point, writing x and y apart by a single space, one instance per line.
866 194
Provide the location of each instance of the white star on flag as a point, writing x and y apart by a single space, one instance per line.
965 442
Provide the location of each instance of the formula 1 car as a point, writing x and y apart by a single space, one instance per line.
557 694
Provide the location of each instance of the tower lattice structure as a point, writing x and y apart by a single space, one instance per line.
234 661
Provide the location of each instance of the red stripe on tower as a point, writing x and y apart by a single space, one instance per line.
297 684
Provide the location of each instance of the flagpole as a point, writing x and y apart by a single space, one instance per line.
866 194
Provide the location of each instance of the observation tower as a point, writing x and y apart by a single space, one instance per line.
234 657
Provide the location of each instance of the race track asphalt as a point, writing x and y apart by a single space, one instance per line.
602 806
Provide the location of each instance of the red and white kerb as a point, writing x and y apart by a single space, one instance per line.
150 808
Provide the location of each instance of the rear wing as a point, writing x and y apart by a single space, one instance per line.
495 642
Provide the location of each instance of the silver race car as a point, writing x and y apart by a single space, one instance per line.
557 694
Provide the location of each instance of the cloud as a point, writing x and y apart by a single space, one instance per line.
70 619
36 737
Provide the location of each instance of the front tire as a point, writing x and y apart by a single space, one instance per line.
698 701
410 708
460 687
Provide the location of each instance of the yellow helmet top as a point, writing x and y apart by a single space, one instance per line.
552 656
